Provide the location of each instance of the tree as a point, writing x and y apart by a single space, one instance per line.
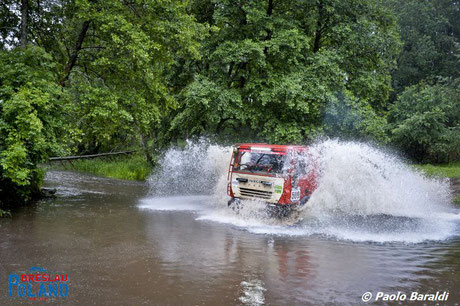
24 19
114 54
430 32
426 121
97 75
32 121
275 66
117 66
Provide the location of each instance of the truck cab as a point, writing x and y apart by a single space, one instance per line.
280 175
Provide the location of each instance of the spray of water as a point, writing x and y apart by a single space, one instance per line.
363 194
359 179
200 168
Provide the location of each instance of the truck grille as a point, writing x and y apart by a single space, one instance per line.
253 193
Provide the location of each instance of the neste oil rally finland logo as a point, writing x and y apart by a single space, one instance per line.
39 285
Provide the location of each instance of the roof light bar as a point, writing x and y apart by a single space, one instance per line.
261 149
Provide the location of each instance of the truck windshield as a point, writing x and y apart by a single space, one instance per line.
259 162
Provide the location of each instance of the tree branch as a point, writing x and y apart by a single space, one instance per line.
24 17
269 32
74 56
319 25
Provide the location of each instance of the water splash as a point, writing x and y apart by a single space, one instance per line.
253 292
199 168
358 179
364 194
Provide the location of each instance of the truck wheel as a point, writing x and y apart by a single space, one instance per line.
279 211
304 200
234 204
284 212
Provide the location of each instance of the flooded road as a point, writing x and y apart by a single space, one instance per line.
121 247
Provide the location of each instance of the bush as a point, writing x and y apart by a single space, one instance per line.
350 118
31 125
425 122
133 167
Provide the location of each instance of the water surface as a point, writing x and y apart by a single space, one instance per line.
120 246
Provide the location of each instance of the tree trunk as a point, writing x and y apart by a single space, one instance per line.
145 148
74 56
24 17
269 32
319 29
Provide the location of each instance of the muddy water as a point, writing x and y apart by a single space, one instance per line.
116 250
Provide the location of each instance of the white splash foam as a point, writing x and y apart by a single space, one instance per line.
198 169
253 292
356 178
175 203
364 194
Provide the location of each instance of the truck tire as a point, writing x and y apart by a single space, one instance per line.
234 204
304 200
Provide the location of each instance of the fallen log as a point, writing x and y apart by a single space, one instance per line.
62 158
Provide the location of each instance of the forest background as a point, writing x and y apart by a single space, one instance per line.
91 76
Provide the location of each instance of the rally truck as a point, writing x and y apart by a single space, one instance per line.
282 176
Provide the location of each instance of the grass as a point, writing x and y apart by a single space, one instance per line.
4 213
135 168
457 200
451 170
131 167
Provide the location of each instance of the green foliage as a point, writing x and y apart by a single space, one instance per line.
99 86
5 213
451 170
32 123
274 67
133 167
457 200
424 118
430 32
348 117
118 84
105 75
206 106
425 122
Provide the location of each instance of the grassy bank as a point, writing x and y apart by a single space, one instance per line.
127 167
451 170
135 167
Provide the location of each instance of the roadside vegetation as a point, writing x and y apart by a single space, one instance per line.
131 167
451 170
87 77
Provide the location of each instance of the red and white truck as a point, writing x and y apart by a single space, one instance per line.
283 176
